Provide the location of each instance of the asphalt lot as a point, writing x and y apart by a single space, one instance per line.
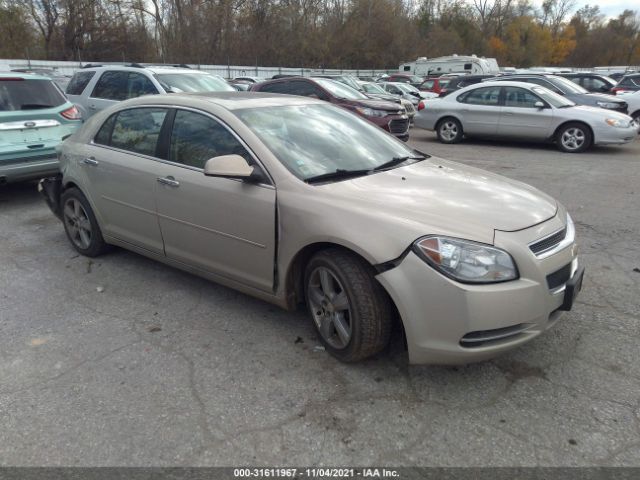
123 361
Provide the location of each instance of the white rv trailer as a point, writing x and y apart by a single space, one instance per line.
470 64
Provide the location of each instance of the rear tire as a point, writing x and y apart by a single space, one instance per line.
574 137
80 224
350 309
449 130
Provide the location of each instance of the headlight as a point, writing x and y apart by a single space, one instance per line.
370 112
614 122
608 105
466 261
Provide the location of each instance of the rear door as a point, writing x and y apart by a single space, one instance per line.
480 110
121 165
520 118
219 225
113 86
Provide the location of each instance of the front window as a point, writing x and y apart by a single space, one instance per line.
196 138
312 140
23 94
193 82
340 90
552 98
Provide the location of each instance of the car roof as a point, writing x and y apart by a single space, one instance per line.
24 76
504 83
150 68
226 100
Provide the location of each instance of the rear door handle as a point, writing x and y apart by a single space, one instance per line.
90 161
172 182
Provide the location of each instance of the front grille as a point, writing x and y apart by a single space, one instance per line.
409 107
399 126
559 277
548 243
483 337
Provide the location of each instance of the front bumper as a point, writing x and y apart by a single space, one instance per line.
616 136
447 322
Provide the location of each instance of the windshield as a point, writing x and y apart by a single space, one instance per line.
21 94
193 82
568 86
373 88
340 90
312 140
552 98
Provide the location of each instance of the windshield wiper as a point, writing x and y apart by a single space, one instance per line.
397 161
338 174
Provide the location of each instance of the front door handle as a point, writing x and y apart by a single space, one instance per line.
172 182
90 161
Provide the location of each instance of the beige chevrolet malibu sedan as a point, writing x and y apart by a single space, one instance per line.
298 202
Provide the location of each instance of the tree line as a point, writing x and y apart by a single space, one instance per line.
317 33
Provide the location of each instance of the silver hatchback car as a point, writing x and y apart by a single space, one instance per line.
296 201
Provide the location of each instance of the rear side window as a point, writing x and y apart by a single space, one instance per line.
111 85
428 84
137 130
20 94
630 81
114 85
196 138
487 96
103 137
79 82
305 89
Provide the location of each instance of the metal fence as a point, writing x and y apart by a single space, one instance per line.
226 71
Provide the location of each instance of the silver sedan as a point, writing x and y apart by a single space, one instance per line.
522 111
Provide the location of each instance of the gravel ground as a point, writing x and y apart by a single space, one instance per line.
123 361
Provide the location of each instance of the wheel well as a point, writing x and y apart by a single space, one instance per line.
294 283
442 119
561 126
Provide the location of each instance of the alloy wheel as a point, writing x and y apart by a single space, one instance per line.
449 131
330 307
78 224
573 138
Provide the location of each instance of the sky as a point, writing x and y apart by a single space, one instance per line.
610 8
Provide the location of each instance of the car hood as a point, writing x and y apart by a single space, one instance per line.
384 96
596 113
443 197
378 104
603 97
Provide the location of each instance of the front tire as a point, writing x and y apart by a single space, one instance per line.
449 130
350 309
80 224
574 138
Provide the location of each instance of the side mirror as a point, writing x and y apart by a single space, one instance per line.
539 105
228 166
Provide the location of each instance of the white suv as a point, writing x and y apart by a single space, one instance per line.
94 88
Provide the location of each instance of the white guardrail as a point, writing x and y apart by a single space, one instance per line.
226 71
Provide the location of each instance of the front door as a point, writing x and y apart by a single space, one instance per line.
220 225
521 118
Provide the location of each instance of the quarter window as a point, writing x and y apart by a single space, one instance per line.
197 138
487 96
137 130
519 97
